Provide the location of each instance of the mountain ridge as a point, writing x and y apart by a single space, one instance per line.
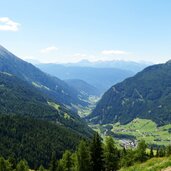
53 87
117 64
101 78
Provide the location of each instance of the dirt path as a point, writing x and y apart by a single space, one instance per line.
167 169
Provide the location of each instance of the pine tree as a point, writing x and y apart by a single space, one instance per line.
141 151
111 157
161 152
168 150
66 162
151 152
83 157
128 158
124 150
5 165
60 166
96 153
74 162
22 166
157 152
13 162
41 168
53 162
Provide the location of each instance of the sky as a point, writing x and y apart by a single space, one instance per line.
64 31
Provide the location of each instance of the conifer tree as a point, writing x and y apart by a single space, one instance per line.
161 152
66 163
168 150
22 166
83 157
96 153
157 152
151 152
13 162
60 166
111 157
5 165
74 161
41 168
128 158
53 162
140 154
124 150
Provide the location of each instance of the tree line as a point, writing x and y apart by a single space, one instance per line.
92 156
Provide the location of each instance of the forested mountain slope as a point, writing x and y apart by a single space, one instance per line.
19 97
55 88
32 126
146 95
83 87
34 140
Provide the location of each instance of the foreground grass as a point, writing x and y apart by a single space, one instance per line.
154 164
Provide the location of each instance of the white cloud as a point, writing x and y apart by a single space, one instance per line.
49 49
114 52
7 24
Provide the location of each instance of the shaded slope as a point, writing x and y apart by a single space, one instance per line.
55 88
19 97
83 87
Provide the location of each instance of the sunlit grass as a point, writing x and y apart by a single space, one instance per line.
154 164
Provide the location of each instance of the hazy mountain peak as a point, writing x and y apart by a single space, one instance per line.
168 62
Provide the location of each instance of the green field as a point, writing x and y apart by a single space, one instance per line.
136 130
154 164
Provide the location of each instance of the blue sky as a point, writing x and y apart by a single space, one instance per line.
71 30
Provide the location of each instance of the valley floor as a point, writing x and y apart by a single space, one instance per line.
127 135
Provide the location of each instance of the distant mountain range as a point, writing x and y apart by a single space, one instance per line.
100 78
53 87
120 64
145 95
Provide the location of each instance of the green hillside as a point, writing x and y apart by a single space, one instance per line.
147 95
19 97
154 164
34 140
